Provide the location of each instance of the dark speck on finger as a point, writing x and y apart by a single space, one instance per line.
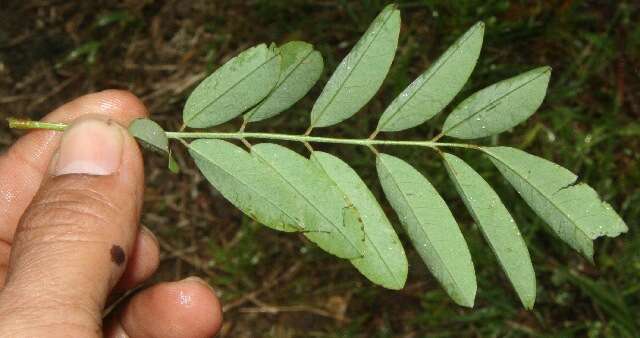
117 255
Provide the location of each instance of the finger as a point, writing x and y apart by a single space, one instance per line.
144 261
74 240
188 308
24 165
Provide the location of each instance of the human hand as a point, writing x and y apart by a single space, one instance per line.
69 234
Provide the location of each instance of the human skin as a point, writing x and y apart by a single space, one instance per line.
70 237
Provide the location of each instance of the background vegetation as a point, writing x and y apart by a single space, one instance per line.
276 285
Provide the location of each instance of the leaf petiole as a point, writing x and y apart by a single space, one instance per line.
15 123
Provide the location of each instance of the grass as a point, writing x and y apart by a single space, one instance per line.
276 285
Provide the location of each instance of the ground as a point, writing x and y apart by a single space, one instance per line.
278 285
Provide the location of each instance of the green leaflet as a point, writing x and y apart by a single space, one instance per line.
384 261
435 88
498 107
361 73
172 164
250 185
150 135
431 227
573 210
233 88
497 226
301 69
332 232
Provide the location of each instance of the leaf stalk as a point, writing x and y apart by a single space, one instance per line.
16 123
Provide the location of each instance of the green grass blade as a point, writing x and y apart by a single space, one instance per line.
249 185
359 76
610 300
233 88
435 88
497 226
321 196
431 227
384 261
301 69
498 107
573 210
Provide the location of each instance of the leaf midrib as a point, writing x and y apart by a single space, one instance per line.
474 214
375 37
539 192
406 199
250 187
375 247
279 84
308 202
435 71
230 88
492 102
386 264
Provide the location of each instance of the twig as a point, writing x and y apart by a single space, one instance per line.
247 297
294 308
53 92
192 262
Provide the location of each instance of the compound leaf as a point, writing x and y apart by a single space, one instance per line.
361 73
233 88
150 135
248 184
498 107
431 227
384 261
573 210
497 226
333 232
301 68
435 88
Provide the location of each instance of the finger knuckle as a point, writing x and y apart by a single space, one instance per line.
68 214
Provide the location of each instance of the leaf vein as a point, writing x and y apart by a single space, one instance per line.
308 201
556 207
350 71
454 126
286 77
229 89
253 189
406 199
426 81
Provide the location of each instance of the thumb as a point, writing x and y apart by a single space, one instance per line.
71 245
